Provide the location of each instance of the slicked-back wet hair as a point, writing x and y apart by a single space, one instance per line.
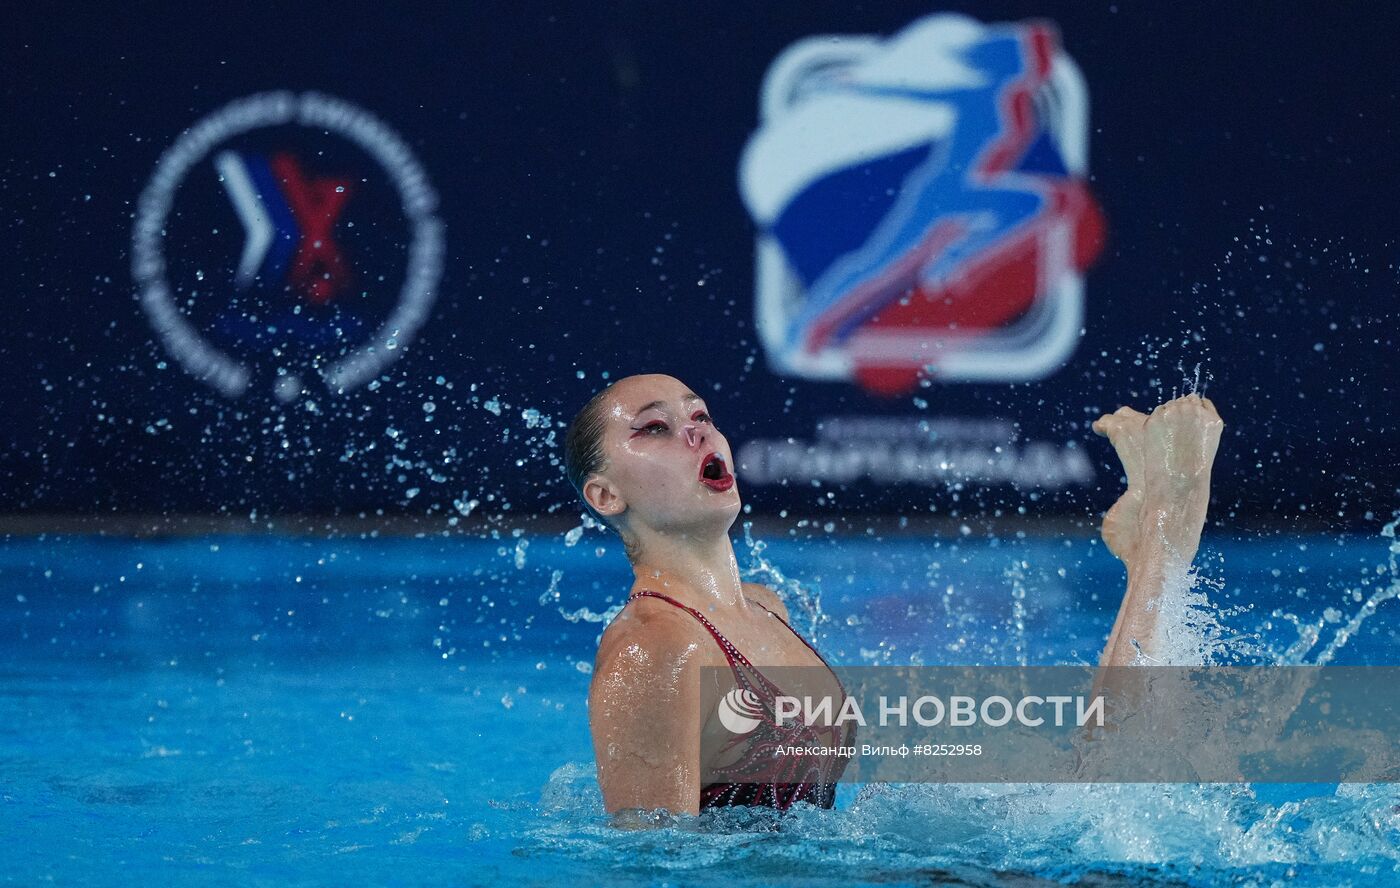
583 455
583 446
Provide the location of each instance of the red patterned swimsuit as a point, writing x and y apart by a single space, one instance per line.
759 777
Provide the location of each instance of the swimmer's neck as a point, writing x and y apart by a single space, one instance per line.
699 571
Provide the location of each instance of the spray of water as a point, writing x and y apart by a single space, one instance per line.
803 601
1056 830
1016 574
1370 605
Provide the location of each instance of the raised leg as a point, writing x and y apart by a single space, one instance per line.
1155 527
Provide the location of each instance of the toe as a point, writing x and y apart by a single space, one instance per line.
1119 420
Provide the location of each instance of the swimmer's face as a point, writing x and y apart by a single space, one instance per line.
668 467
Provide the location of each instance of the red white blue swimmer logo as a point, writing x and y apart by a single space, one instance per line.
284 237
922 205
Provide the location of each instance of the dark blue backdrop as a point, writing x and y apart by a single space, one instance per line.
585 157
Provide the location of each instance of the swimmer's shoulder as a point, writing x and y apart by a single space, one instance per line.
766 597
649 635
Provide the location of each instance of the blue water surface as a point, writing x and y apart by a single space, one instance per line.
269 710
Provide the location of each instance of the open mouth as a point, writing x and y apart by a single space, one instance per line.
714 474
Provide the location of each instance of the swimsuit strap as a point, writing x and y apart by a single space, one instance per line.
732 653
809 647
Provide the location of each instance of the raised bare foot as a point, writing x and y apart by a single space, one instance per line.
1125 429
1155 528
1167 457
1182 437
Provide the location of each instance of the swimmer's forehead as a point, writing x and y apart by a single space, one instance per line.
635 396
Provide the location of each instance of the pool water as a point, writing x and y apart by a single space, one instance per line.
287 711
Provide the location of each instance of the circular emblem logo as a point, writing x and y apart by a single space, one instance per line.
286 237
739 711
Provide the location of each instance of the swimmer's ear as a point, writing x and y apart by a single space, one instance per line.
604 500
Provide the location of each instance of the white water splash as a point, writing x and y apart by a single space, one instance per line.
800 599
586 615
989 833
1368 608
1196 833
551 595
1016 573
1310 633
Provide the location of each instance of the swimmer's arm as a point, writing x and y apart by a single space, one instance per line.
768 598
644 711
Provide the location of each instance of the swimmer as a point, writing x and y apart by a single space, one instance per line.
648 461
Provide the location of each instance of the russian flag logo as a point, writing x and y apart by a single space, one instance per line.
922 205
